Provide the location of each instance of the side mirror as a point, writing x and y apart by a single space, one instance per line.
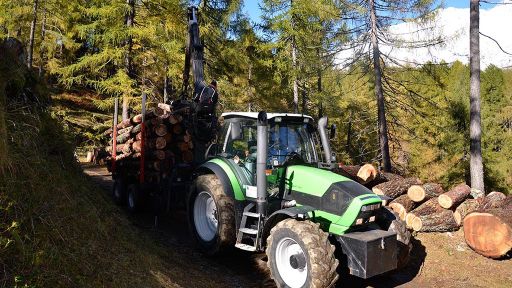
236 131
332 131
211 151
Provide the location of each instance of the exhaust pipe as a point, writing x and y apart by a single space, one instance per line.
322 127
261 162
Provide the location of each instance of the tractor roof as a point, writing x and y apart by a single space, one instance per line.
254 115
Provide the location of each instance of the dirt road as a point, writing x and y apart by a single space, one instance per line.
438 259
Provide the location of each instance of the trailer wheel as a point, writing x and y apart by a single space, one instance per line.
300 255
211 215
119 191
389 220
133 198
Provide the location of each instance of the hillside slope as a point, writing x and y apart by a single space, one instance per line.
56 230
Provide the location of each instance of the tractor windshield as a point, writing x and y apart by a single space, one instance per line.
285 139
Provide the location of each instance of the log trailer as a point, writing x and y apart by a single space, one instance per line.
262 186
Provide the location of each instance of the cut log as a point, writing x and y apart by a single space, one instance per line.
160 143
408 219
155 121
127 147
493 200
349 171
124 124
124 130
489 232
136 119
367 173
123 137
177 129
423 209
136 146
187 156
441 220
159 154
165 107
454 196
420 193
160 130
396 187
382 177
466 207
402 205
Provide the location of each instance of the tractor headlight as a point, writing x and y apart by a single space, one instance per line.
370 207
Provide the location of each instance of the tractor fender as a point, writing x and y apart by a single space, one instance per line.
212 168
296 212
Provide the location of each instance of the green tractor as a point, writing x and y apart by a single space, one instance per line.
264 187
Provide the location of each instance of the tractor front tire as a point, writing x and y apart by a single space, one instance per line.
211 215
301 256
389 220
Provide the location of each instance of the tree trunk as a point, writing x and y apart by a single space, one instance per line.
32 35
420 193
349 132
166 86
294 65
43 35
130 17
489 232
396 187
402 205
475 128
379 93
454 196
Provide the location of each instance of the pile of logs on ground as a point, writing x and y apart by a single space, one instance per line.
167 141
427 207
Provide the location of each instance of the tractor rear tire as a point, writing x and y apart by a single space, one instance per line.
119 191
300 255
211 216
390 221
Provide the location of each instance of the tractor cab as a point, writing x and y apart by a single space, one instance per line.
290 140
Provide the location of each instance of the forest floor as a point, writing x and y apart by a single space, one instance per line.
438 259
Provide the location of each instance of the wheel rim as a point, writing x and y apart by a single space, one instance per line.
205 216
287 250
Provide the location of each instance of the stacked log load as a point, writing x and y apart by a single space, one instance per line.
167 142
427 207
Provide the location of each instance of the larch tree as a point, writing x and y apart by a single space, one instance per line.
372 41
475 125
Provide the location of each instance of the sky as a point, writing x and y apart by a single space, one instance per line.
495 21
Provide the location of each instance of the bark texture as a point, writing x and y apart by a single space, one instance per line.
396 187
475 128
420 193
454 196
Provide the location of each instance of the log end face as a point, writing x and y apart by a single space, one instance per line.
445 201
487 235
416 193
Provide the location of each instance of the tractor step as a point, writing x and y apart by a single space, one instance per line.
245 247
248 231
251 214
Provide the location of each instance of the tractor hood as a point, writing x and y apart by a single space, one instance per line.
327 191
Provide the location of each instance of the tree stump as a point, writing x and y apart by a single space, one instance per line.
454 196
